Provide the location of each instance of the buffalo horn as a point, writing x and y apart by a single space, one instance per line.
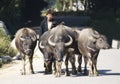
21 38
34 38
41 46
95 34
50 42
70 42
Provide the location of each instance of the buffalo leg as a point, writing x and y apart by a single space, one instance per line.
23 70
79 63
85 67
95 70
91 67
72 60
48 67
58 69
31 65
94 59
45 66
54 68
66 64
90 62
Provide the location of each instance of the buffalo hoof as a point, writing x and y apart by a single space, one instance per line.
47 72
67 74
74 72
22 72
85 72
54 72
91 74
79 71
32 72
58 75
96 74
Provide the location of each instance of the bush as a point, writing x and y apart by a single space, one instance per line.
1 63
108 25
5 48
70 13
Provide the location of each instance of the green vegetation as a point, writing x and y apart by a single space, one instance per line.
10 13
105 14
107 23
5 48
70 13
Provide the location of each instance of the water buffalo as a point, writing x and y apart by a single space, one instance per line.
55 44
25 41
47 51
61 40
89 44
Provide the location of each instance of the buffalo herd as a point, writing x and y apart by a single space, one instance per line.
61 44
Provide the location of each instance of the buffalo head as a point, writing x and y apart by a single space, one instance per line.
59 46
25 40
101 42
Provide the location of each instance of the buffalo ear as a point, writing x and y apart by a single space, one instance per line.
76 34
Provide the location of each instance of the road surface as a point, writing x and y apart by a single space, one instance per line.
108 67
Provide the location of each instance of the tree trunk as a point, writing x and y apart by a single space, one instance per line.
71 3
86 5
64 5
76 4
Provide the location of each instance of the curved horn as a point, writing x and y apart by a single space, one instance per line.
93 39
95 34
70 42
41 46
50 42
21 38
34 38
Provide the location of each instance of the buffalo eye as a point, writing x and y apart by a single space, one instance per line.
101 40
94 42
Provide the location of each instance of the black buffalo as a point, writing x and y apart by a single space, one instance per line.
25 41
47 52
62 41
55 44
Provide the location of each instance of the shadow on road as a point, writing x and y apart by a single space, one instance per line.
37 72
101 73
108 72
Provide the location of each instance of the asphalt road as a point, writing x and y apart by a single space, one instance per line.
108 68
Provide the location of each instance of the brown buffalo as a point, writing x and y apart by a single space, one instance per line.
89 44
25 41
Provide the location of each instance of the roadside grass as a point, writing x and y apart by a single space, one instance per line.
5 48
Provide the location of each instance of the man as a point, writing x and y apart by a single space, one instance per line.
48 22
